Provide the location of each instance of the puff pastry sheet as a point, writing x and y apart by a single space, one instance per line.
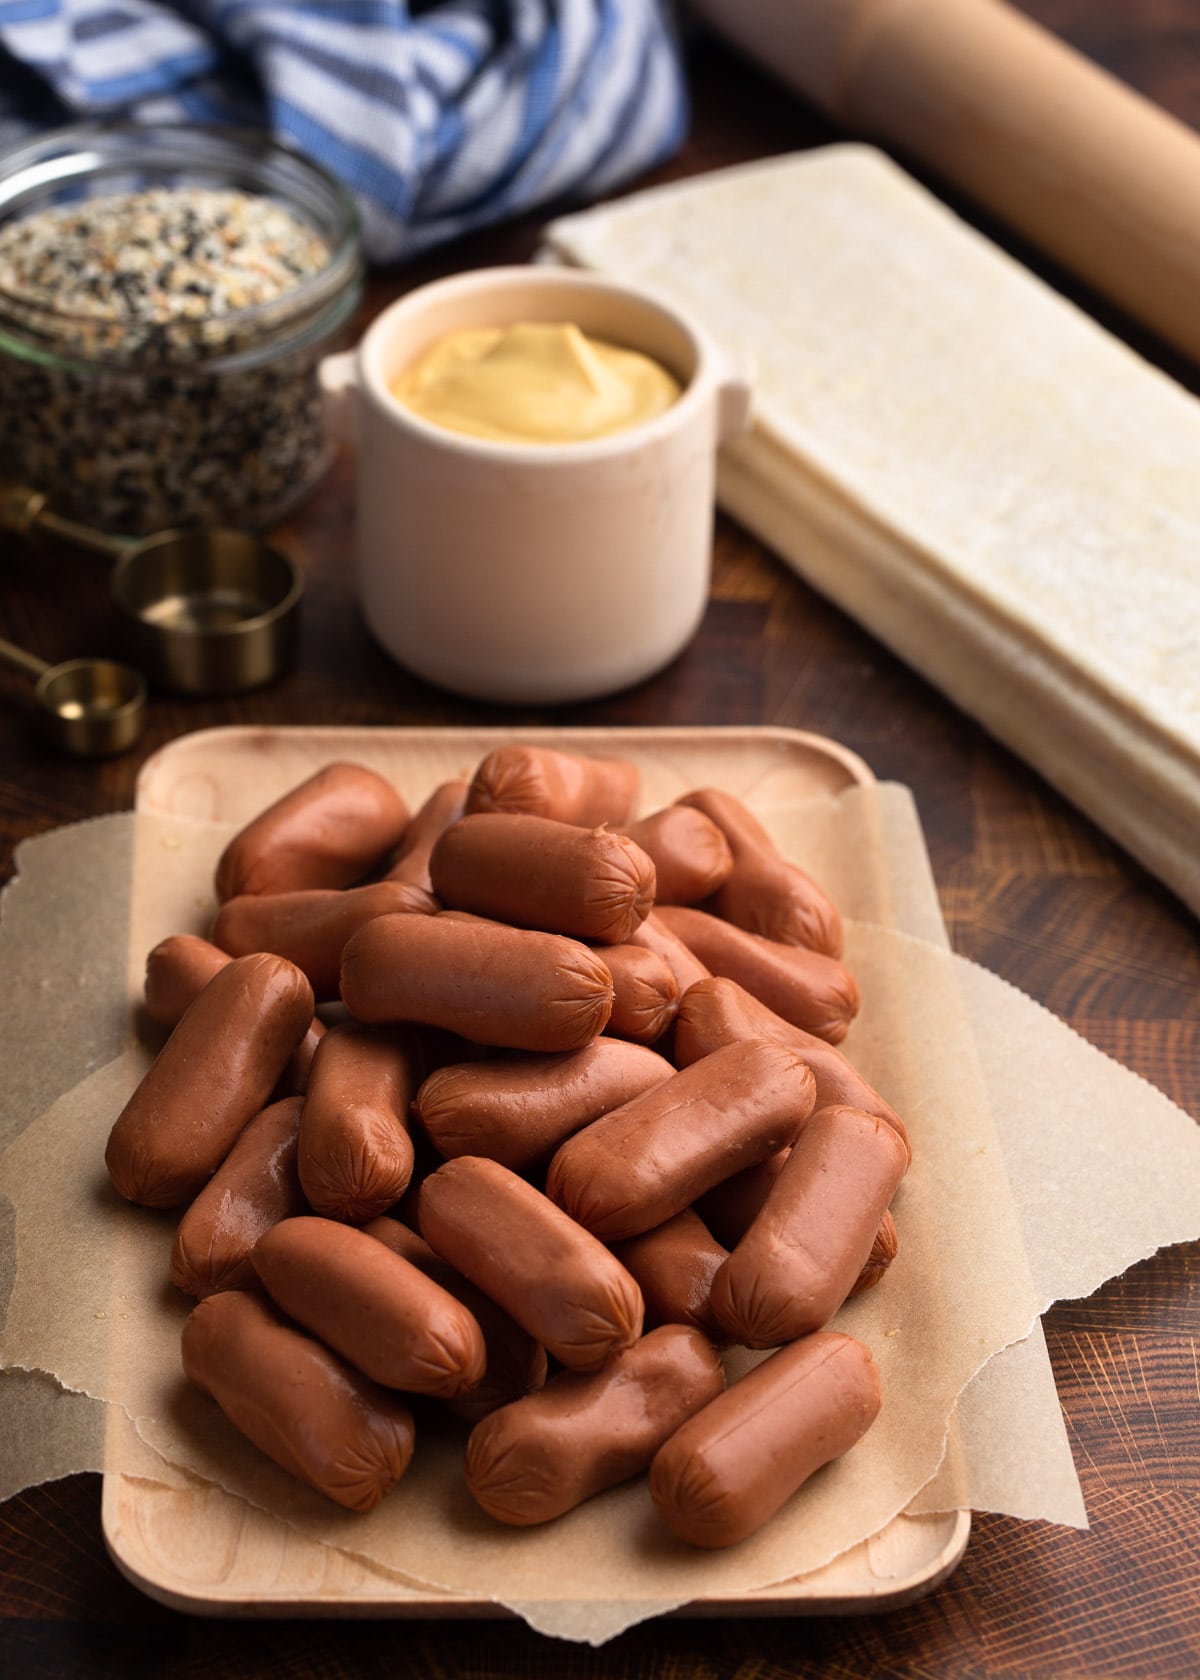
997 488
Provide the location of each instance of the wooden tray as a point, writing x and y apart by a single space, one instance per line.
202 1550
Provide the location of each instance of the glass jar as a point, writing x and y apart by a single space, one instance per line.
166 293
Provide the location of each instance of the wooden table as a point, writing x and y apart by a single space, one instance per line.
1028 888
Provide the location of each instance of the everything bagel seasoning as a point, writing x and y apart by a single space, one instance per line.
151 261
161 369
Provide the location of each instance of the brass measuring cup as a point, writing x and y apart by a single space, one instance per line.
91 707
204 610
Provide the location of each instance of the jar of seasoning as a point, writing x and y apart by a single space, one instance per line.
166 293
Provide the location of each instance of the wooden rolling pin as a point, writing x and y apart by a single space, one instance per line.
1096 175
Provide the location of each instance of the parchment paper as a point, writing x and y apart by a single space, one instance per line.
1002 1213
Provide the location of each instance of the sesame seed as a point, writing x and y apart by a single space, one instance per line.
145 289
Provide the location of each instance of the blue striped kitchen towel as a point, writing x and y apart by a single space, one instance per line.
440 115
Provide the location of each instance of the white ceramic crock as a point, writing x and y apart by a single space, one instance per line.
539 573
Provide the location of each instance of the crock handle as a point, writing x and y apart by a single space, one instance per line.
735 394
337 377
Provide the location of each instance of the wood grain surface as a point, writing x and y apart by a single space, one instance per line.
1028 887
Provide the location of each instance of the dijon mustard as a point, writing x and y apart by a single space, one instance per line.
534 383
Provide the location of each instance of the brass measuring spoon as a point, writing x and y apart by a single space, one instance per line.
203 610
92 707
